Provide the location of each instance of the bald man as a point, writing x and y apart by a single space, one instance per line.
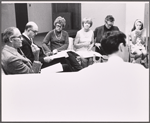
31 30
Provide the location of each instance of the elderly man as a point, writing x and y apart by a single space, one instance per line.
31 30
100 31
12 61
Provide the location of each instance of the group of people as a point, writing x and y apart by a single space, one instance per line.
21 54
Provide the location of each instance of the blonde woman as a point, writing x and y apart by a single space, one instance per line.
84 41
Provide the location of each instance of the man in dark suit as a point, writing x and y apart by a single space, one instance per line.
100 31
31 30
13 62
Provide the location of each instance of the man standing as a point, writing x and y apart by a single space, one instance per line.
100 31
13 62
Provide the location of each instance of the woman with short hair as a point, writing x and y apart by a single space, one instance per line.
84 41
57 40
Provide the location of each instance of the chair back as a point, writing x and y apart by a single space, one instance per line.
70 46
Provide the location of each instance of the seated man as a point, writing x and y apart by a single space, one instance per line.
100 31
30 32
13 62
118 56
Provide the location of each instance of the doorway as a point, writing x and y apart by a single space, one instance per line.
21 15
72 14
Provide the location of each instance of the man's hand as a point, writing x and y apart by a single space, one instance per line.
48 53
35 51
55 51
97 45
47 59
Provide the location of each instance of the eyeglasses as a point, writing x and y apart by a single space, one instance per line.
34 31
59 26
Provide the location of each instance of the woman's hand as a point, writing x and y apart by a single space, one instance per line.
55 51
47 59
48 53
97 45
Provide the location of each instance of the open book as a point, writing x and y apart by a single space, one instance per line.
88 54
60 55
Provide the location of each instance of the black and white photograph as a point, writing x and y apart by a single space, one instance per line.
72 61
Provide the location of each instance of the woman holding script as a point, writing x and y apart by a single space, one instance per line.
56 41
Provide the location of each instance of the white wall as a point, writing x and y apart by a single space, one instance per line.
134 10
99 10
8 18
41 13
125 13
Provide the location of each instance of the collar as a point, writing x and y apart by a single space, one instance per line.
15 52
107 28
25 35
115 58
11 49
30 39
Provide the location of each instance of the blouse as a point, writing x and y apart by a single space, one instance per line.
53 42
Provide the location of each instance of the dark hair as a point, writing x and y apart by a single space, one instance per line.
7 33
109 18
111 40
137 20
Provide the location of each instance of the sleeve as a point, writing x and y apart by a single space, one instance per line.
19 67
133 37
95 33
27 51
143 37
66 38
117 29
46 42
76 41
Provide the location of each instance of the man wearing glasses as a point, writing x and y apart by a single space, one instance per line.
100 31
31 30
14 62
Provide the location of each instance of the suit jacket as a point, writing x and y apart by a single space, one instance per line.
99 32
14 63
26 48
